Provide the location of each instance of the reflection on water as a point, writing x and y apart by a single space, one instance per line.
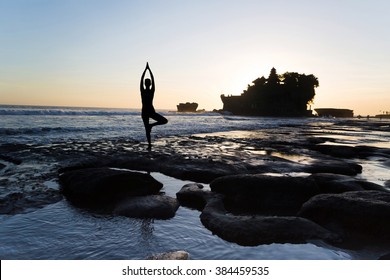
350 137
291 157
246 134
375 171
60 231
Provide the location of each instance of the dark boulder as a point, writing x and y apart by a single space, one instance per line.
257 230
263 194
150 206
101 187
193 196
343 151
248 230
11 159
340 151
351 213
335 183
333 166
15 203
10 203
370 151
1 166
385 257
200 170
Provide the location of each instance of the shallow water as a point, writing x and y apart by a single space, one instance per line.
375 169
60 231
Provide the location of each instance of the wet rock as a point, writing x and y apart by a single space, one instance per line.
334 183
193 196
9 203
18 202
176 255
385 257
11 159
151 206
351 213
256 230
100 187
248 230
203 171
9 148
333 166
370 151
270 195
340 151
178 166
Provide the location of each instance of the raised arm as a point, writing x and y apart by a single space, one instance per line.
151 76
141 85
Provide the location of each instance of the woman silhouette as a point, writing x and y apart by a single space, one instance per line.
148 112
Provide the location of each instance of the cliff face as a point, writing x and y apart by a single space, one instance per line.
279 95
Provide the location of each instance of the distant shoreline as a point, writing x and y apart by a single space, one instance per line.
117 108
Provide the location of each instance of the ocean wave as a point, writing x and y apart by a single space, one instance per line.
72 111
38 124
190 114
65 112
45 130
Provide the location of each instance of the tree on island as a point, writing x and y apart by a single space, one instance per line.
288 94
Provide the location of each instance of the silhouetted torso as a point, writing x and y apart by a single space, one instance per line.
147 96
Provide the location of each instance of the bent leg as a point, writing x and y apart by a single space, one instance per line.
160 120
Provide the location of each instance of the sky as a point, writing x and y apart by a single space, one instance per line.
91 53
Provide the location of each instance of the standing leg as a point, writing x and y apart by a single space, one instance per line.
148 129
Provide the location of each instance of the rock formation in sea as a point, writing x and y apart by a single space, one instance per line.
187 107
254 209
117 191
333 112
288 94
351 213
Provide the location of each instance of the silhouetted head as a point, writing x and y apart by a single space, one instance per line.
148 83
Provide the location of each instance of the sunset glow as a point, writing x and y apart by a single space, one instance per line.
92 53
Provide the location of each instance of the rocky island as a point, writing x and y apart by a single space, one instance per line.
286 95
187 107
333 112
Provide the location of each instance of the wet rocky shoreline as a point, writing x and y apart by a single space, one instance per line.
292 183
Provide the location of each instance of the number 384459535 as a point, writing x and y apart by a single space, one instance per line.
254 270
